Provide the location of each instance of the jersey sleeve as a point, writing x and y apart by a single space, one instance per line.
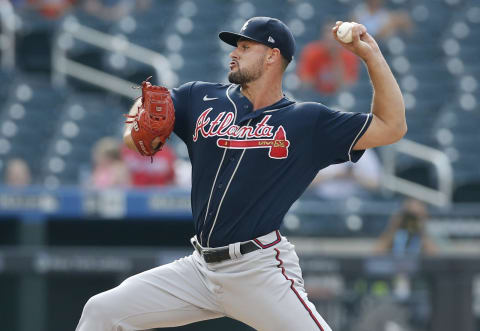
181 102
336 133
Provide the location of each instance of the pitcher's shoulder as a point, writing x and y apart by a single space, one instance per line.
311 108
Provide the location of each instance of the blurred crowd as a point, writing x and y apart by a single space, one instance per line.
323 64
115 166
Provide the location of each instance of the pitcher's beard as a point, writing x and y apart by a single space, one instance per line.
242 77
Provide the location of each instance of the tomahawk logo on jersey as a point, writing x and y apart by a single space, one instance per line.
248 167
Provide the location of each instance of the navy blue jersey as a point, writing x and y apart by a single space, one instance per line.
249 167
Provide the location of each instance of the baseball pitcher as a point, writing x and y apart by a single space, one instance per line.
253 153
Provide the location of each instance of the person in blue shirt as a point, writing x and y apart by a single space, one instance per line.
253 153
406 233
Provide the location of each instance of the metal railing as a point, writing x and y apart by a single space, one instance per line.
62 66
442 196
7 35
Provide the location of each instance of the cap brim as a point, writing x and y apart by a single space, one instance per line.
231 38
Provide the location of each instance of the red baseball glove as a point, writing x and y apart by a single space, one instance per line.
155 119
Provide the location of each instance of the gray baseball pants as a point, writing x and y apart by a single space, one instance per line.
263 289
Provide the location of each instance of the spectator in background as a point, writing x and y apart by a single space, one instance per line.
144 172
406 233
406 236
109 170
341 181
380 22
17 173
325 65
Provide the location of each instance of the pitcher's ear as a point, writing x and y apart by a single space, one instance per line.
273 55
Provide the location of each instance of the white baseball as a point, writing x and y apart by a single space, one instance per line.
344 32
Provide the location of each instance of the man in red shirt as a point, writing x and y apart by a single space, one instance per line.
325 65
143 172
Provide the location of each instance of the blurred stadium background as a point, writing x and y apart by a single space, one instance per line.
66 81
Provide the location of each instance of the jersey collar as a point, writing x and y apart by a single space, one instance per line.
245 107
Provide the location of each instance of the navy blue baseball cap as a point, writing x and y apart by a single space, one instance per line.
265 30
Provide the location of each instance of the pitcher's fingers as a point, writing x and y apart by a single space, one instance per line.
357 31
363 29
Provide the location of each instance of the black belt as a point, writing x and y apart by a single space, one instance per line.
215 255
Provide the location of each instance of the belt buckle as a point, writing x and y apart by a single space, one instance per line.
210 255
